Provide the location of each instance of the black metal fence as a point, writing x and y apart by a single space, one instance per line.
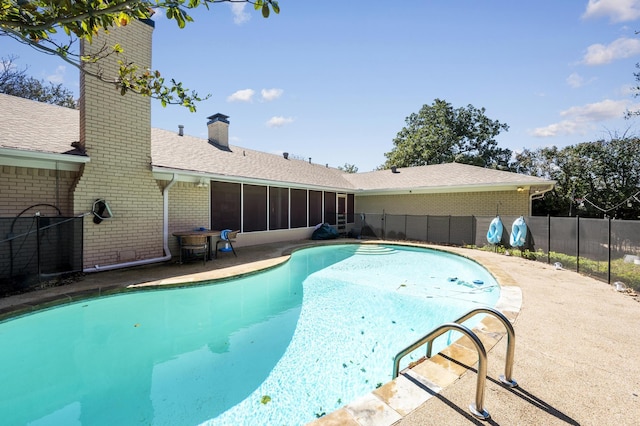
606 249
36 249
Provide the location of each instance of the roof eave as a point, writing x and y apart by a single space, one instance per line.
166 173
41 160
512 186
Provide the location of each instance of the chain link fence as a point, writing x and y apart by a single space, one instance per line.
606 249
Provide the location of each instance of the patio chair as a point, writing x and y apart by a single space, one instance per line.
194 245
227 238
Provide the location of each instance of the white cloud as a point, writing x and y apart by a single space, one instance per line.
58 76
627 90
158 14
565 127
575 80
598 54
597 111
239 14
279 121
616 10
245 95
271 94
580 119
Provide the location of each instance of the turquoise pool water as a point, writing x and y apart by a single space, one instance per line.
279 347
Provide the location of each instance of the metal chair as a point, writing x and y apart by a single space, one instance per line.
195 244
227 238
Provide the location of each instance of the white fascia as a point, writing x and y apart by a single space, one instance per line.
41 160
163 173
524 186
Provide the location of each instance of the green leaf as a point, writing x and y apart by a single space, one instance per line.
180 20
36 20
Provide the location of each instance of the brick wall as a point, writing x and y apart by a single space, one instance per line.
23 187
454 204
188 209
116 133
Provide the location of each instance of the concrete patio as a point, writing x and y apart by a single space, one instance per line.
576 355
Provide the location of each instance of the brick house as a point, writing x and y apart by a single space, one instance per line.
158 181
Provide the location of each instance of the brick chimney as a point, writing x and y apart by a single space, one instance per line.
116 133
218 126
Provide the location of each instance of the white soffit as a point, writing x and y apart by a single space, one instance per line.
41 160
458 189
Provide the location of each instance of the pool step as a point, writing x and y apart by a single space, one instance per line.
374 250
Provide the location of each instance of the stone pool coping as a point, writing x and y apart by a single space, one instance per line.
577 341
390 403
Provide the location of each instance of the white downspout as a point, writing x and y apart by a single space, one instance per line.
535 196
165 238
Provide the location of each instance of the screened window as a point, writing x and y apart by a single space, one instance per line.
278 208
225 205
315 207
350 208
274 208
255 208
298 208
330 208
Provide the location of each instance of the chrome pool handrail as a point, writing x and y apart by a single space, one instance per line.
477 408
506 379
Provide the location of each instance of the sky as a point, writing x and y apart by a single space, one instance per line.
335 80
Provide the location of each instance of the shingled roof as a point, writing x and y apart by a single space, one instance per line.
190 154
35 126
30 127
441 178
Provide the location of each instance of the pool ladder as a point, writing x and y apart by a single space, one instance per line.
506 379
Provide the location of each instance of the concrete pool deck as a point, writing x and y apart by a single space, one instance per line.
577 345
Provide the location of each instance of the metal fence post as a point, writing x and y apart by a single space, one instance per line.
405 226
577 243
474 223
38 245
384 224
548 239
609 252
427 228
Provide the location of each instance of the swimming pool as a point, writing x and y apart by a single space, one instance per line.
278 347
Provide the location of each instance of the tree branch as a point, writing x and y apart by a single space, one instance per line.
57 19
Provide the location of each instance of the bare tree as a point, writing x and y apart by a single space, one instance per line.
16 82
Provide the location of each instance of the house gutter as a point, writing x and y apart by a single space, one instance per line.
481 187
41 160
165 238
188 176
